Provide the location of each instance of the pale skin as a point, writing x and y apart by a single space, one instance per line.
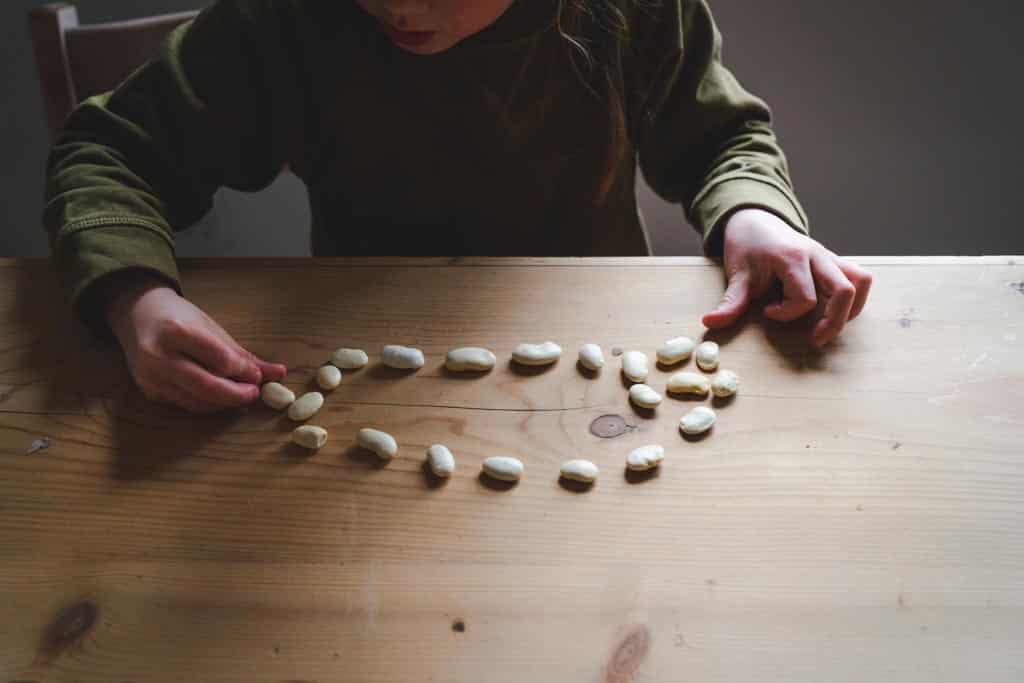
179 355
450 21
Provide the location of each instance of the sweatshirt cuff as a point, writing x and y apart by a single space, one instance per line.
87 255
717 202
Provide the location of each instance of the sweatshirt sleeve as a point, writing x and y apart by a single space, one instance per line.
134 165
703 141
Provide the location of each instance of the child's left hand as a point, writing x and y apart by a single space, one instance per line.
760 249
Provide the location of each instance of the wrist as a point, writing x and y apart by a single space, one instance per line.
745 217
122 291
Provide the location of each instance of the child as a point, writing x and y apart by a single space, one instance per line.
426 127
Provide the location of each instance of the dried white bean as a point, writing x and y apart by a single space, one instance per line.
644 396
277 396
725 383
350 359
675 351
707 356
537 354
402 357
697 421
591 357
689 383
328 377
503 468
310 437
635 366
381 443
645 458
470 359
306 406
580 470
441 460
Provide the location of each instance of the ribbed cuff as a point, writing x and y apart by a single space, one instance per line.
89 253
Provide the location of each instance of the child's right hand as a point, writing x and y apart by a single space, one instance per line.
179 355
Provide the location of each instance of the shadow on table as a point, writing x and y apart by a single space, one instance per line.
149 438
53 364
791 341
57 366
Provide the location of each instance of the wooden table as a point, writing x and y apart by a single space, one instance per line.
856 515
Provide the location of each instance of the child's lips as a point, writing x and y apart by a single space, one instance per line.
409 38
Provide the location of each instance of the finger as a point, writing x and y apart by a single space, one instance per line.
798 295
175 396
269 372
861 280
839 292
734 302
206 386
216 355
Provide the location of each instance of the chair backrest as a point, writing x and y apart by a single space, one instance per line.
76 62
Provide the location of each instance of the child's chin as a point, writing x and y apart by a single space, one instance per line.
434 47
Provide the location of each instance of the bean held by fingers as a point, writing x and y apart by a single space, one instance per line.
182 356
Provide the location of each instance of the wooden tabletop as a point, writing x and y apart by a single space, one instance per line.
855 515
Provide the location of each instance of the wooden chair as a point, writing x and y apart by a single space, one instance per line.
76 62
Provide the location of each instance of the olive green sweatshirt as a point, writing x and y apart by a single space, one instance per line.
497 146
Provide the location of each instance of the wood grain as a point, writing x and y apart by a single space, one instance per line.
856 514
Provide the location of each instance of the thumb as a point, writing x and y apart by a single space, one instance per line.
733 303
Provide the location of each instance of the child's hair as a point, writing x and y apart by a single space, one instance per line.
594 32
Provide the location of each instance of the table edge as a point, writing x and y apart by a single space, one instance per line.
525 262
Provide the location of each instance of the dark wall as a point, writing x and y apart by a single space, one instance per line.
900 120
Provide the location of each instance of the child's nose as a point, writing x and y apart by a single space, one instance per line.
400 11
